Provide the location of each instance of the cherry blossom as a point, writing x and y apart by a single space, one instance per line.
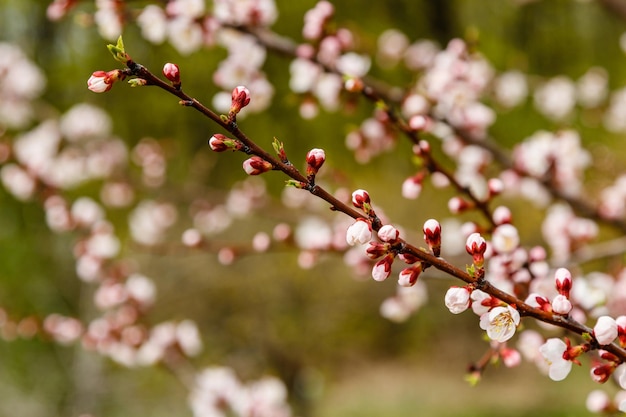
500 323
552 351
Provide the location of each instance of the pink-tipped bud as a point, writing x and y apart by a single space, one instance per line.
420 123
563 280
388 234
412 186
457 299
172 73
408 276
240 99
458 205
256 165
476 246
221 143
602 373
376 250
359 232
102 81
408 258
315 158
605 330
432 235
382 269
360 198
495 186
561 305
502 215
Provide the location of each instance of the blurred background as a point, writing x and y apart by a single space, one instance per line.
318 329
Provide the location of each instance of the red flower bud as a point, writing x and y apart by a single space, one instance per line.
315 158
256 165
172 73
240 99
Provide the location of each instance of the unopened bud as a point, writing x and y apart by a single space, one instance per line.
432 236
102 81
172 73
315 158
388 233
256 165
221 143
240 99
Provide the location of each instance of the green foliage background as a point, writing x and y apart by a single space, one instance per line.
319 329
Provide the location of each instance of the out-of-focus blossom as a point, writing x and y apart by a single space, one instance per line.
592 87
153 24
511 88
556 98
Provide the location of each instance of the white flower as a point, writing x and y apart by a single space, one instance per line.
359 232
605 330
505 238
457 299
552 351
478 297
500 323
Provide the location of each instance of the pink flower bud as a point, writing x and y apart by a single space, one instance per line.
376 250
256 165
561 305
407 258
412 186
563 280
420 123
240 99
221 143
495 186
382 269
457 299
408 276
510 357
388 233
172 73
432 235
359 232
315 158
605 330
475 244
359 198
457 205
602 373
502 215
102 81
